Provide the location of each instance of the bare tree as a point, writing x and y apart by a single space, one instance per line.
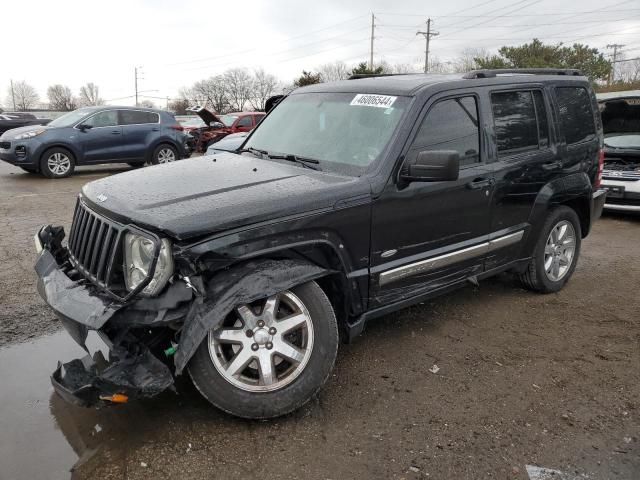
210 92
146 103
264 85
23 95
238 85
628 71
331 72
90 95
179 106
405 68
61 98
468 59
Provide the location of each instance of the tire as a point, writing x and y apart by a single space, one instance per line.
288 391
539 276
57 163
164 153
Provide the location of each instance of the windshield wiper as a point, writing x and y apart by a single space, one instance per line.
304 161
255 151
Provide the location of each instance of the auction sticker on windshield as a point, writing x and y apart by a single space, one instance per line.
368 100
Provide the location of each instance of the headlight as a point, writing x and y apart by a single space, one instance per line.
29 134
138 256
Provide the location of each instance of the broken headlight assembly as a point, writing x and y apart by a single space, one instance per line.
138 260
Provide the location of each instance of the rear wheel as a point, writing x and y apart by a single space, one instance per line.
556 252
164 154
270 357
57 163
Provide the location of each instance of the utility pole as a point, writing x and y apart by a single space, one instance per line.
612 73
427 35
137 77
13 96
373 28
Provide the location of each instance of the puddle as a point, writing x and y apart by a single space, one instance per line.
32 433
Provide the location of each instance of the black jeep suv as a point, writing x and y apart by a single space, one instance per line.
349 201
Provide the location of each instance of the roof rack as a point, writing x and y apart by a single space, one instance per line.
491 73
357 76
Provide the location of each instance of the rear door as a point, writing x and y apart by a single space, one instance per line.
103 141
525 159
139 128
427 235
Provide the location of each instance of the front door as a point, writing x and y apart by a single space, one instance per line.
427 235
103 141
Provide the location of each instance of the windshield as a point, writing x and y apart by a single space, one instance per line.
71 118
345 132
228 119
628 140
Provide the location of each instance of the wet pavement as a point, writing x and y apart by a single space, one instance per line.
523 379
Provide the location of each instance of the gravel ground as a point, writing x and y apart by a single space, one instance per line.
523 379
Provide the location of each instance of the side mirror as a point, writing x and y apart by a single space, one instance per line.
432 166
217 125
83 127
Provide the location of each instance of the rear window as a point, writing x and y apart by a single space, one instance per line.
514 116
576 114
137 117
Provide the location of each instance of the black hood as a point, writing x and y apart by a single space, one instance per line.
200 196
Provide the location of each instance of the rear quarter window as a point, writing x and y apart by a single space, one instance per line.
514 116
576 115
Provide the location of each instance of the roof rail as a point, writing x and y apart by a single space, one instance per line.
490 73
357 76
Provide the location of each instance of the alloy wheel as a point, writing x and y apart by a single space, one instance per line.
166 155
559 250
59 163
263 346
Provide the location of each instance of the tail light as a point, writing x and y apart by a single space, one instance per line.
598 181
179 128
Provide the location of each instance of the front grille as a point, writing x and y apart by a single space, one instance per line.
94 245
5 145
21 151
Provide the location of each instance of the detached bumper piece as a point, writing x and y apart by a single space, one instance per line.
90 382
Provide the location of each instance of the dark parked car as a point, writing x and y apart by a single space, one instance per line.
94 135
218 127
9 120
350 200
621 124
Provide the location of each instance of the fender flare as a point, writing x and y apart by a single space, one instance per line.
574 189
243 283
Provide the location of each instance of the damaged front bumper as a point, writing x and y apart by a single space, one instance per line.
134 369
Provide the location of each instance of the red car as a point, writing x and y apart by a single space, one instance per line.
219 126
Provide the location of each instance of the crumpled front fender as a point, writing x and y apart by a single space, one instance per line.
239 285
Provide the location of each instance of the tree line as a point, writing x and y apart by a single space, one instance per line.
239 89
22 96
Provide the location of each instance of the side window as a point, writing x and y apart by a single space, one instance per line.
543 121
576 115
514 118
137 117
103 119
451 125
245 122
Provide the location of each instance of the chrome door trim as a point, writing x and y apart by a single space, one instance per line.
450 258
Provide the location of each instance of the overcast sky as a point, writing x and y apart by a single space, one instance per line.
178 42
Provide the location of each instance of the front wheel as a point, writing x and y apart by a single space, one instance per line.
556 252
57 163
164 154
270 357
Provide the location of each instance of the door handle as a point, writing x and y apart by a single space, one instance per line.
115 132
155 129
554 165
479 183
